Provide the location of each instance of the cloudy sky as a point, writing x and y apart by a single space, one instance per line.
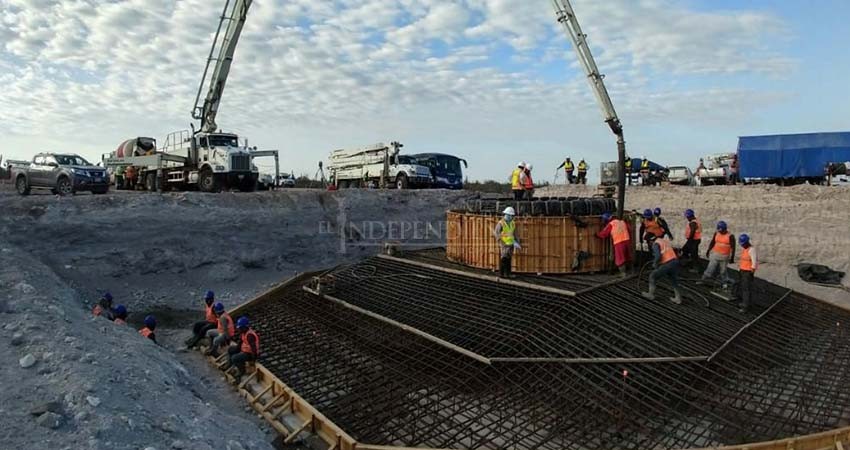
494 81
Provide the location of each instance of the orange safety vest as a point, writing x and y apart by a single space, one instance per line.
231 331
619 231
515 184
746 264
120 322
722 244
529 183
246 347
666 249
653 227
210 315
146 332
697 233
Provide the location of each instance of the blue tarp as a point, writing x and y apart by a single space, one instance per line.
791 155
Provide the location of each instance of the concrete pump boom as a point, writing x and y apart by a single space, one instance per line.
207 111
567 18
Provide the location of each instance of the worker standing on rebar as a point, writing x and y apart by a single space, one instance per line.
693 238
747 268
664 263
582 172
528 182
506 236
516 180
200 328
120 315
720 253
569 168
248 348
223 333
149 328
662 223
649 226
620 235
103 308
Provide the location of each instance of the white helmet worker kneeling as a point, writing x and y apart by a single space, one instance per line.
506 235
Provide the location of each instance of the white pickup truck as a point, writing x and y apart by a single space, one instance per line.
715 169
364 167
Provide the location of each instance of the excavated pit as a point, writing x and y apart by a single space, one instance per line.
405 355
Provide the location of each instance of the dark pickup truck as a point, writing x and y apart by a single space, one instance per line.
63 174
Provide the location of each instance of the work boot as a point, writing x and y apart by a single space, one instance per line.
623 273
677 299
651 294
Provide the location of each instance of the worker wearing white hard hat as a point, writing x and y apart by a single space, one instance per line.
506 236
528 183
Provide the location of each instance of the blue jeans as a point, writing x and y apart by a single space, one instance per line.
670 270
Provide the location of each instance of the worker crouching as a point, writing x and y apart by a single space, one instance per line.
247 349
505 233
664 263
620 235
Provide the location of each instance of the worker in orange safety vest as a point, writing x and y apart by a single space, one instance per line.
149 328
720 253
528 182
103 307
620 235
247 349
120 315
665 263
200 328
747 268
650 225
224 331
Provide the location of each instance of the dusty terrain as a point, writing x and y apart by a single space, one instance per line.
106 388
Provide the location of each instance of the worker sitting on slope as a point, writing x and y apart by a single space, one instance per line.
505 233
747 267
517 176
621 237
200 329
582 172
650 226
104 307
665 263
120 315
720 253
569 168
528 182
223 332
149 328
662 223
693 238
247 349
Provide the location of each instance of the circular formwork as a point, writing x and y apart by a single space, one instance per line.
558 235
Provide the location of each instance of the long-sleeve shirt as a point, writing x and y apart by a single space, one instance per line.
731 244
663 224
693 227
497 233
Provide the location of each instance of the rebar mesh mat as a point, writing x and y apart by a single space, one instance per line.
786 375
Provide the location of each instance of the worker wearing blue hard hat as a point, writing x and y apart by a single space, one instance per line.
120 315
224 331
693 239
720 253
245 349
651 225
620 235
200 328
665 263
747 269
149 329
103 308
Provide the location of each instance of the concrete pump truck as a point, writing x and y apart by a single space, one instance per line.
205 158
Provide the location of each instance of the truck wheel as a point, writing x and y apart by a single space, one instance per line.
207 181
22 186
401 181
64 186
151 182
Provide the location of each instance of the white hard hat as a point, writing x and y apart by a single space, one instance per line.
529 167
509 211
521 164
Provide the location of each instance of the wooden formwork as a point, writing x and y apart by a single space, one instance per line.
549 244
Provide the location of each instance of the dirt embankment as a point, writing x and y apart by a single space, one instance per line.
789 225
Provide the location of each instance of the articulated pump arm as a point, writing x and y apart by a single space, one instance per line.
567 18
227 47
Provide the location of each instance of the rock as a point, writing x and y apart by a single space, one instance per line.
50 420
93 401
25 288
168 427
81 416
233 445
68 339
17 339
27 361
150 448
178 445
54 407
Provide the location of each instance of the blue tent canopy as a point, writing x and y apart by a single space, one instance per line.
791 155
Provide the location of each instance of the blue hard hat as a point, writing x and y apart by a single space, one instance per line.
150 322
689 213
606 217
721 225
243 323
647 213
107 296
209 295
219 308
120 310
744 239
657 211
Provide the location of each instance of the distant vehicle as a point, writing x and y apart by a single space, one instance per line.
791 158
446 172
265 182
680 175
286 181
608 172
716 170
62 173
365 167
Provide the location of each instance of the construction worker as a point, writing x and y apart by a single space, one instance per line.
720 253
130 178
662 223
747 268
628 170
505 233
247 349
569 168
120 315
733 170
665 263
516 180
693 238
650 226
224 331
104 307
528 182
149 328
620 235
200 329
644 171
582 172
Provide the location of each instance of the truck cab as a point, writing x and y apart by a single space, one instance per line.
217 159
